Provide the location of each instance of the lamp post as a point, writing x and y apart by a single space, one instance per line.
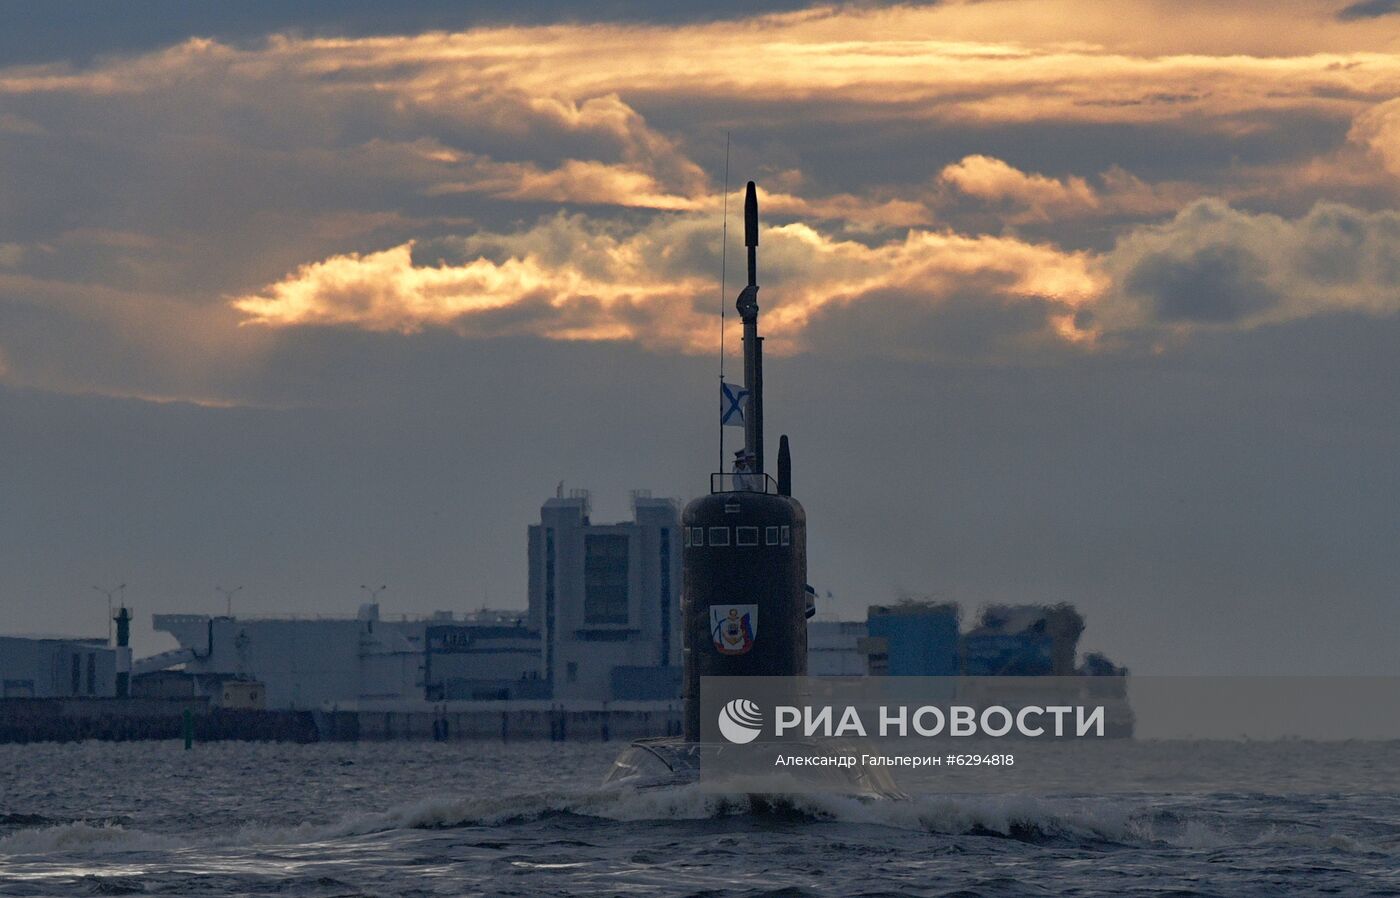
109 593
373 591
228 598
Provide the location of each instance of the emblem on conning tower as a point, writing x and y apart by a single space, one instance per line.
733 628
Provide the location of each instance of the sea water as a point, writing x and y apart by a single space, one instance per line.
421 819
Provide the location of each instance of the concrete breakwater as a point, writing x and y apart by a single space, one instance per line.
71 720
124 720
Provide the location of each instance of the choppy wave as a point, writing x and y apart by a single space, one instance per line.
1028 819
83 837
1024 818
1031 819
423 819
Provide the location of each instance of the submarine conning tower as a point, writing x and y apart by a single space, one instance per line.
743 598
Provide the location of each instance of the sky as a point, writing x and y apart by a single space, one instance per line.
1063 301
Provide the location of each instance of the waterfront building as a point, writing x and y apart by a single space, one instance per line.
913 639
310 662
605 599
57 667
834 648
603 624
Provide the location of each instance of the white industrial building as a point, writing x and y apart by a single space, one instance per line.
314 662
38 667
606 599
603 624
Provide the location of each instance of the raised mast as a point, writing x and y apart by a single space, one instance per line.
744 600
753 343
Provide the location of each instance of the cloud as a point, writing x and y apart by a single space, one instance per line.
572 278
837 63
584 182
1209 267
993 180
1368 9
874 212
1020 197
1213 266
980 323
1378 129
411 182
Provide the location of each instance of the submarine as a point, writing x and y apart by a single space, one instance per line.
744 594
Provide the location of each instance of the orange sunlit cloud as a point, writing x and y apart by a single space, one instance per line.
622 287
573 279
992 179
389 149
899 62
1378 129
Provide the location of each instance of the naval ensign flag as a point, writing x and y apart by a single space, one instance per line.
731 404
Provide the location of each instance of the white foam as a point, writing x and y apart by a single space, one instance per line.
1007 815
84 838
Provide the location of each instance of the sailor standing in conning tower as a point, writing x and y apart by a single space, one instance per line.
745 477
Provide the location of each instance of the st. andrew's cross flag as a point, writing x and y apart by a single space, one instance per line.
731 404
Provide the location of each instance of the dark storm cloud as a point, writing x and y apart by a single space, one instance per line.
987 325
1213 284
1368 9
1215 265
